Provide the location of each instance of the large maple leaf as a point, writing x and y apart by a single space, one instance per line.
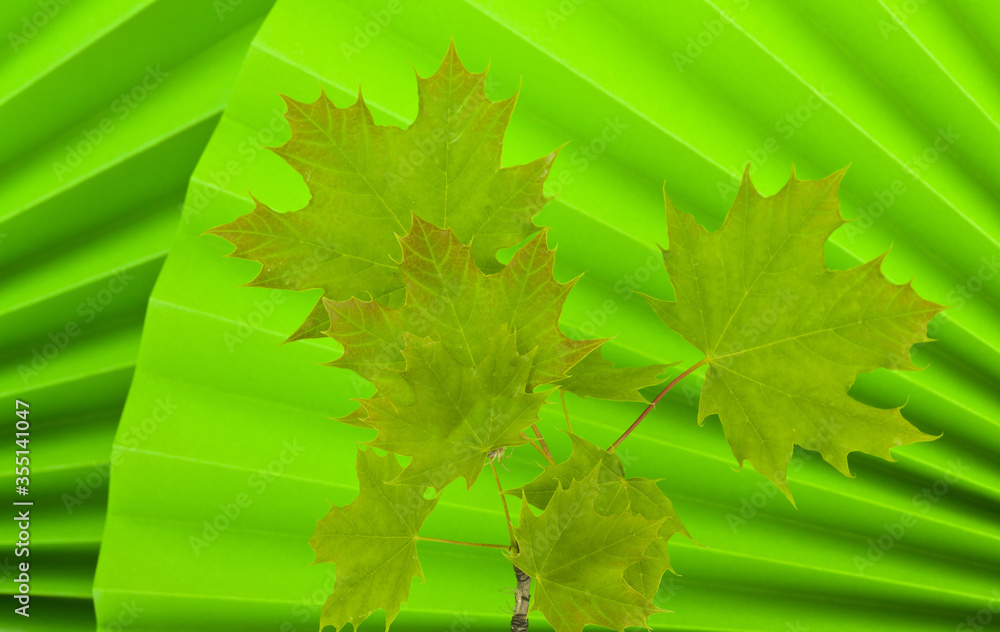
373 542
784 336
367 179
616 493
578 558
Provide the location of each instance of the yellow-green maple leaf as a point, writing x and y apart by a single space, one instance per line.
450 299
616 493
597 377
435 360
373 542
449 415
784 336
367 179
578 558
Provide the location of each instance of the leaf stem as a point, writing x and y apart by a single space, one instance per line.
562 398
545 448
506 511
653 404
535 445
489 546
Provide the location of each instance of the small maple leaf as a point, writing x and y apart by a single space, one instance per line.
367 179
373 542
578 558
616 493
449 415
784 336
594 376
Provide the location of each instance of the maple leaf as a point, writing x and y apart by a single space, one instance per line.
464 307
450 299
594 376
578 558
373 542
784 336
448 415
616 493
458 330
366 179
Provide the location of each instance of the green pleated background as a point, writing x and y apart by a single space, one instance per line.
67 234
225 454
